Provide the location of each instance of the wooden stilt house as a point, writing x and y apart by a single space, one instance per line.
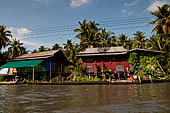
46 64
114 59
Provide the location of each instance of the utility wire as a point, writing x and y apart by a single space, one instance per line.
49 36
64 30
101 23
35 37
128 19
48 32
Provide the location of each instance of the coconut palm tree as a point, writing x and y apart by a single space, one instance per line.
106 38
43 48
56 47
4 36
139 40
68 48
82 30
123 40
74 52
16 49
71 52
88 34
68 45
93 37
129 44
162 20
34 51
155 43
114 41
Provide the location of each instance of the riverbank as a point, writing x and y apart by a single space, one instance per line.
118 82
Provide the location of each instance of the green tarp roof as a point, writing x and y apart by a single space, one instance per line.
25 63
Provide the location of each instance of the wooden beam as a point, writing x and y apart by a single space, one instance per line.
61 68
161 67
50 72
33 74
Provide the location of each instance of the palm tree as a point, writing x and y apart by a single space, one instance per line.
15 49
106 38
93 37
42 49
34 51
56 47
88 34
68 48
162 20
155 43
114 41
68 45
73 56
129 44
82 30
122 39
4 36
139 40
71 52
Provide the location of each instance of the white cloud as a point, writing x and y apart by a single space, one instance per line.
133 3
130 13
18 33
44 1
77 3
124 11
23 31
155 4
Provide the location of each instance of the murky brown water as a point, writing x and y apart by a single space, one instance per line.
85 98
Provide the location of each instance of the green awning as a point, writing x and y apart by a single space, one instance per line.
24 63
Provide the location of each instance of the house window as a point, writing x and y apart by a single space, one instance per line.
89 60
89 69
113 58
119 68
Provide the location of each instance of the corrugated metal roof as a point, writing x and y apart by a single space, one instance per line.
102 54
39 55
117 49
90 50
112 51
146 50
103 50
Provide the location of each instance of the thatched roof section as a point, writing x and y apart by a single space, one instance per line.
39 55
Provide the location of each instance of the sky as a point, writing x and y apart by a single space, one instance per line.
46 22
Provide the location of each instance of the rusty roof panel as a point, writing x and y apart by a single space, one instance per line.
39 55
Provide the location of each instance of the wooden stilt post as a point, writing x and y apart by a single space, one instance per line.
50 72
33 75
61 71
139 79
150 78
161 67
61 68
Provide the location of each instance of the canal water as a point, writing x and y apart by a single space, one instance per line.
85 98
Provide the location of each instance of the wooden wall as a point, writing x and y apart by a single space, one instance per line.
111 63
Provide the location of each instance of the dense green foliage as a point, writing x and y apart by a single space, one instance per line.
145 66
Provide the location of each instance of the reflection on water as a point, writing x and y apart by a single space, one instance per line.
85 98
